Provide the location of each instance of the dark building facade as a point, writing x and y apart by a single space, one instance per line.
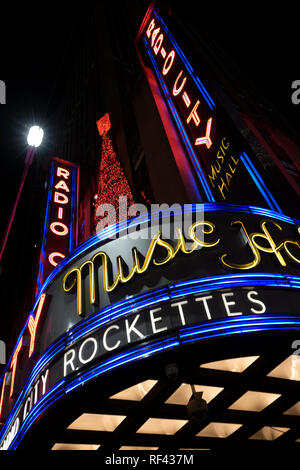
196 296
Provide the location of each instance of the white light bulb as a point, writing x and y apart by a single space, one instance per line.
35 136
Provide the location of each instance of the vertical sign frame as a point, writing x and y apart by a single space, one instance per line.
60 234
212 147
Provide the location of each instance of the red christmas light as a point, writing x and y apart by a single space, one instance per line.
112 182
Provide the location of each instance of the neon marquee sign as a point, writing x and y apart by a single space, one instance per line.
60 228
247 270
211 144
257 243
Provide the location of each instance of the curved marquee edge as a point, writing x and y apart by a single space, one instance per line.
141 301
121 226
196 333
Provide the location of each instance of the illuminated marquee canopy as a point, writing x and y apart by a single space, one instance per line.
235 270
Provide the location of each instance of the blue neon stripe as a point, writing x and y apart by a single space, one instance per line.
122 359
177 290
100 320
123 305
259 182
37 409
242 330
46 226
238 322
238 325
45 359
195 77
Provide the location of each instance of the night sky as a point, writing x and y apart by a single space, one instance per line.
35 38
33 46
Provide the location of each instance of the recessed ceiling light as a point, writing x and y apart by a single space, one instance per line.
215 429
269 433
136 392
237 364
96 422
294 410
287 369
254 401
137 448
62 446
161 426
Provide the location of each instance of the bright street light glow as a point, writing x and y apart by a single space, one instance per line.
35 136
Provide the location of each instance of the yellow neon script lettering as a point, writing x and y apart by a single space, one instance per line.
256 247
266 236
255 252
223 168
74 276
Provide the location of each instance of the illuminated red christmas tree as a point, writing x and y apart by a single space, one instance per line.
112 182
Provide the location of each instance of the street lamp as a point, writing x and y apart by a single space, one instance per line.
34 140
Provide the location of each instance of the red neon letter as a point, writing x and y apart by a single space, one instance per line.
158 44
150 27
194 115
62 172
154 34
170 59
206 139
186 99
32 324
55 255
176 90
60 198
62 185
64 231
13 365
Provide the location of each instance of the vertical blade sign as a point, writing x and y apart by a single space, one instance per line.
60 227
